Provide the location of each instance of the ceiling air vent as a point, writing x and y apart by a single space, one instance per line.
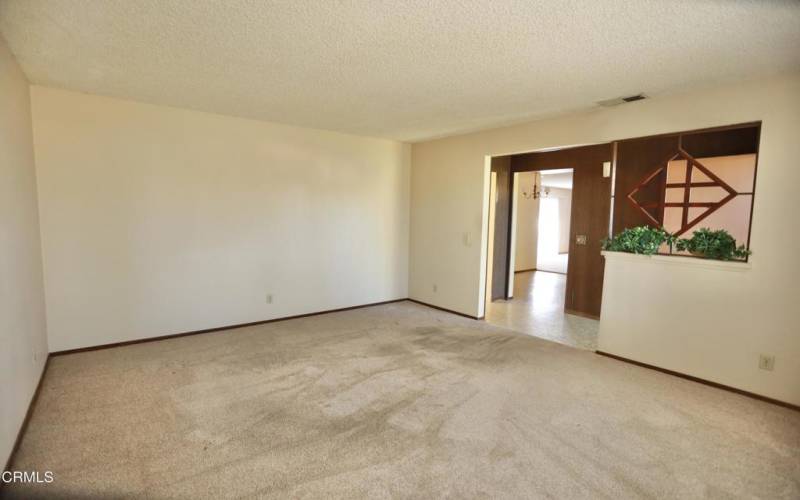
622 100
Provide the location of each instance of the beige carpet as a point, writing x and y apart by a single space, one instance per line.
395 401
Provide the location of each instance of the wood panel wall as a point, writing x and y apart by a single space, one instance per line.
591 206
636 158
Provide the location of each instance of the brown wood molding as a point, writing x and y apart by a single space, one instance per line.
525 270
723 128
209 330
445 310
24 426
581 314
703 381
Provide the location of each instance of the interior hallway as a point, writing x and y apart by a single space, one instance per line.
538 309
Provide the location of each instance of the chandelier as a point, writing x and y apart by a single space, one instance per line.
536 193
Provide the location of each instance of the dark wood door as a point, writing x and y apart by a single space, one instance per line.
591 205
501 165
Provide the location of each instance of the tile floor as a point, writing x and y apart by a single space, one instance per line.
538 309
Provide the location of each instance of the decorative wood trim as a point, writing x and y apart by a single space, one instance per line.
662 194
744 138
26 420
714 177
693 204
693 184
643 183
210 330
703 381
679 204
696 131
525 270
691 164
445 310
687 191
753 191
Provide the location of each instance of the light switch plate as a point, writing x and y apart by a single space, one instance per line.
766 362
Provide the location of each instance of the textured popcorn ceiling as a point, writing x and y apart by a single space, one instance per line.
402 69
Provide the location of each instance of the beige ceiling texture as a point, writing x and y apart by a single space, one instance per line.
401 69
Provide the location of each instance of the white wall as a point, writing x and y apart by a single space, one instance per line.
564 197
527 223
564 214
677 313
442 209
554 220
158 220
23 336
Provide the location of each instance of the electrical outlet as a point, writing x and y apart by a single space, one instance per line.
435 288
269 298
766 362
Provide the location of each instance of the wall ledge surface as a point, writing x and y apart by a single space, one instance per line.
677 260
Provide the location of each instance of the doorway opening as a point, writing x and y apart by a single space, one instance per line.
551 205
544 243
